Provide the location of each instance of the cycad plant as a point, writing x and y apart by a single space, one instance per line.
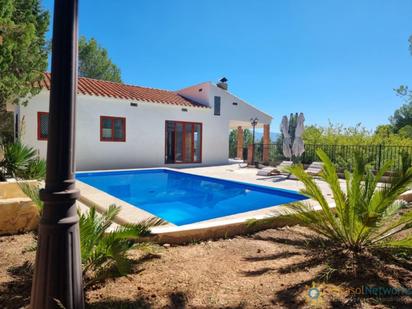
366 214
31 189
104 250
103 247
22 161
36 169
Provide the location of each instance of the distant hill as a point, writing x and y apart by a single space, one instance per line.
273 136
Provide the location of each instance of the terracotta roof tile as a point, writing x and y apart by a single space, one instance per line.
89 86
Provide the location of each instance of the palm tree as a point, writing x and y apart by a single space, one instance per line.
366 215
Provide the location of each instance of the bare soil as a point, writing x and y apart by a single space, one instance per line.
270 269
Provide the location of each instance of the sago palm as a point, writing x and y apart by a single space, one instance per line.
364 214
31 189
17 158
104 250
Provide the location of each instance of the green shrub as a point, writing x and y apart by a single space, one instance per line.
36 169
366 216
19 160
32 191
104 251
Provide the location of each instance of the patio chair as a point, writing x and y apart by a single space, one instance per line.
314 168
277 170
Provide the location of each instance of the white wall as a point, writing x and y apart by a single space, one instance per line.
236 115
145 130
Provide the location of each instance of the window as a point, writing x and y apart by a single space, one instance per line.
183 142
112 129
42 126
217 106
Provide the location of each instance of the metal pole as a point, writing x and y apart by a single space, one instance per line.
253 122
379 157
253 142
58 275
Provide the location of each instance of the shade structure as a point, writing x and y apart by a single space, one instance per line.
284 127
298 147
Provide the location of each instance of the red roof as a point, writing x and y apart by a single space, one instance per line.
101 88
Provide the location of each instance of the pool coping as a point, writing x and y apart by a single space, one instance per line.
212 228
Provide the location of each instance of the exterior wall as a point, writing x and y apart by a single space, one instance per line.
237 115
145 132
198 93
145 129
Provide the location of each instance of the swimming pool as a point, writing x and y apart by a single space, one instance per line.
182 198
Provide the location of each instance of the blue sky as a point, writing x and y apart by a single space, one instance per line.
332 60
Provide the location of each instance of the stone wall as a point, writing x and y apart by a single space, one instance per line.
17 212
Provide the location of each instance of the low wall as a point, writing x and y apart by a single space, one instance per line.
18 213
187 236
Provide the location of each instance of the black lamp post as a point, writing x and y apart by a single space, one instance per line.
253 122
58 275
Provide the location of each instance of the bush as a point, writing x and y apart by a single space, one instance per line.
104 251
36 169
32 191
21 161
366 216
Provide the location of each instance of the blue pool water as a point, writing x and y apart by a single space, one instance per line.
182 198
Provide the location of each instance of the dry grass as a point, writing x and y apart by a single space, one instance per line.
273 268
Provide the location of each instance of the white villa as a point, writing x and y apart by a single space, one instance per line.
123 126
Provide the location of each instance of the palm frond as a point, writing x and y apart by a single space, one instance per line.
405 243
363 216
104 249
32 191
403 223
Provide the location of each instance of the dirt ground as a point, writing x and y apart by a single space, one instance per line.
270 269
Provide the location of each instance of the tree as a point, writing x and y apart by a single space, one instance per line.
384 130
23 49
94 62
247 140
403 90
232 143
247 137
406 131
402 117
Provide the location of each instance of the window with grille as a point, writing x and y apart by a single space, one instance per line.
112 129
42 126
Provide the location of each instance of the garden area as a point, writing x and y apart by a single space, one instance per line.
273 268
355 254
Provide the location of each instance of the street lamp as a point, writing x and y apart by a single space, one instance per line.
58 274
253 122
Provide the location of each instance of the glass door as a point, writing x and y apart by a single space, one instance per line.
183 142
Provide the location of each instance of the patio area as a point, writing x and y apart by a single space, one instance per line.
214 228
249 174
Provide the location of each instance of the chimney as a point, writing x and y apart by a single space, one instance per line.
222 83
